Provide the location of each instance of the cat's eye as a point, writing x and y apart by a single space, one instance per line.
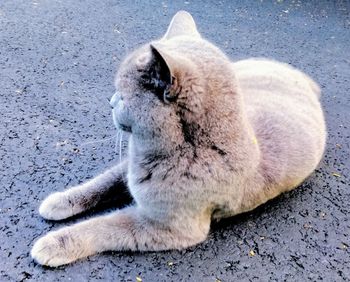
167 97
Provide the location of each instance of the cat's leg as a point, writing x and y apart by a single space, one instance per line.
125 229
61 205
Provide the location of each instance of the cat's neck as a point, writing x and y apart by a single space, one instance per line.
223 119
222 128
227 123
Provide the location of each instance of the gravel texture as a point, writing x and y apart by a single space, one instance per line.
57 64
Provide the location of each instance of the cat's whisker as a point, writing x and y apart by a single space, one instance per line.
98 141
120 146
117 141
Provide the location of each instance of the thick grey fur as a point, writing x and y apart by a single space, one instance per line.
222 139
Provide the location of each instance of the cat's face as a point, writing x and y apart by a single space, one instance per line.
141 99
161 88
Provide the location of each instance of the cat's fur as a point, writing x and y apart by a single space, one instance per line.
209 139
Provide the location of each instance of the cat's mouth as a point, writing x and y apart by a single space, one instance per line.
124 127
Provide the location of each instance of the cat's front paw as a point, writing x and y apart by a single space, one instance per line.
57 206
54 249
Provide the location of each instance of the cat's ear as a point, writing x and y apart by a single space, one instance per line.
181 24
162 69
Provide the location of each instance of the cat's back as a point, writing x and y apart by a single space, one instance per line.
270 86
283 106
276 78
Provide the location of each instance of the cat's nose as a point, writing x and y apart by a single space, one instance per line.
114 100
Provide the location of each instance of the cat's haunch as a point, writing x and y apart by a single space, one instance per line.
208 138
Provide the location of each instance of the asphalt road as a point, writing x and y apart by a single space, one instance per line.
57 64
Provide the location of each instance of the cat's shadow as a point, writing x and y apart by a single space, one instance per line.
123 199
117 199
280 205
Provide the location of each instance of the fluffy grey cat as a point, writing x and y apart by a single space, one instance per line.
208 139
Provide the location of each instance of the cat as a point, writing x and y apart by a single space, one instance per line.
208 139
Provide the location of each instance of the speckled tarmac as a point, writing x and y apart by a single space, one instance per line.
57 64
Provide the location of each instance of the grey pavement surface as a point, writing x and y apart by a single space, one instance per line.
57 64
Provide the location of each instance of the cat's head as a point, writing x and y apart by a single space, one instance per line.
165 88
